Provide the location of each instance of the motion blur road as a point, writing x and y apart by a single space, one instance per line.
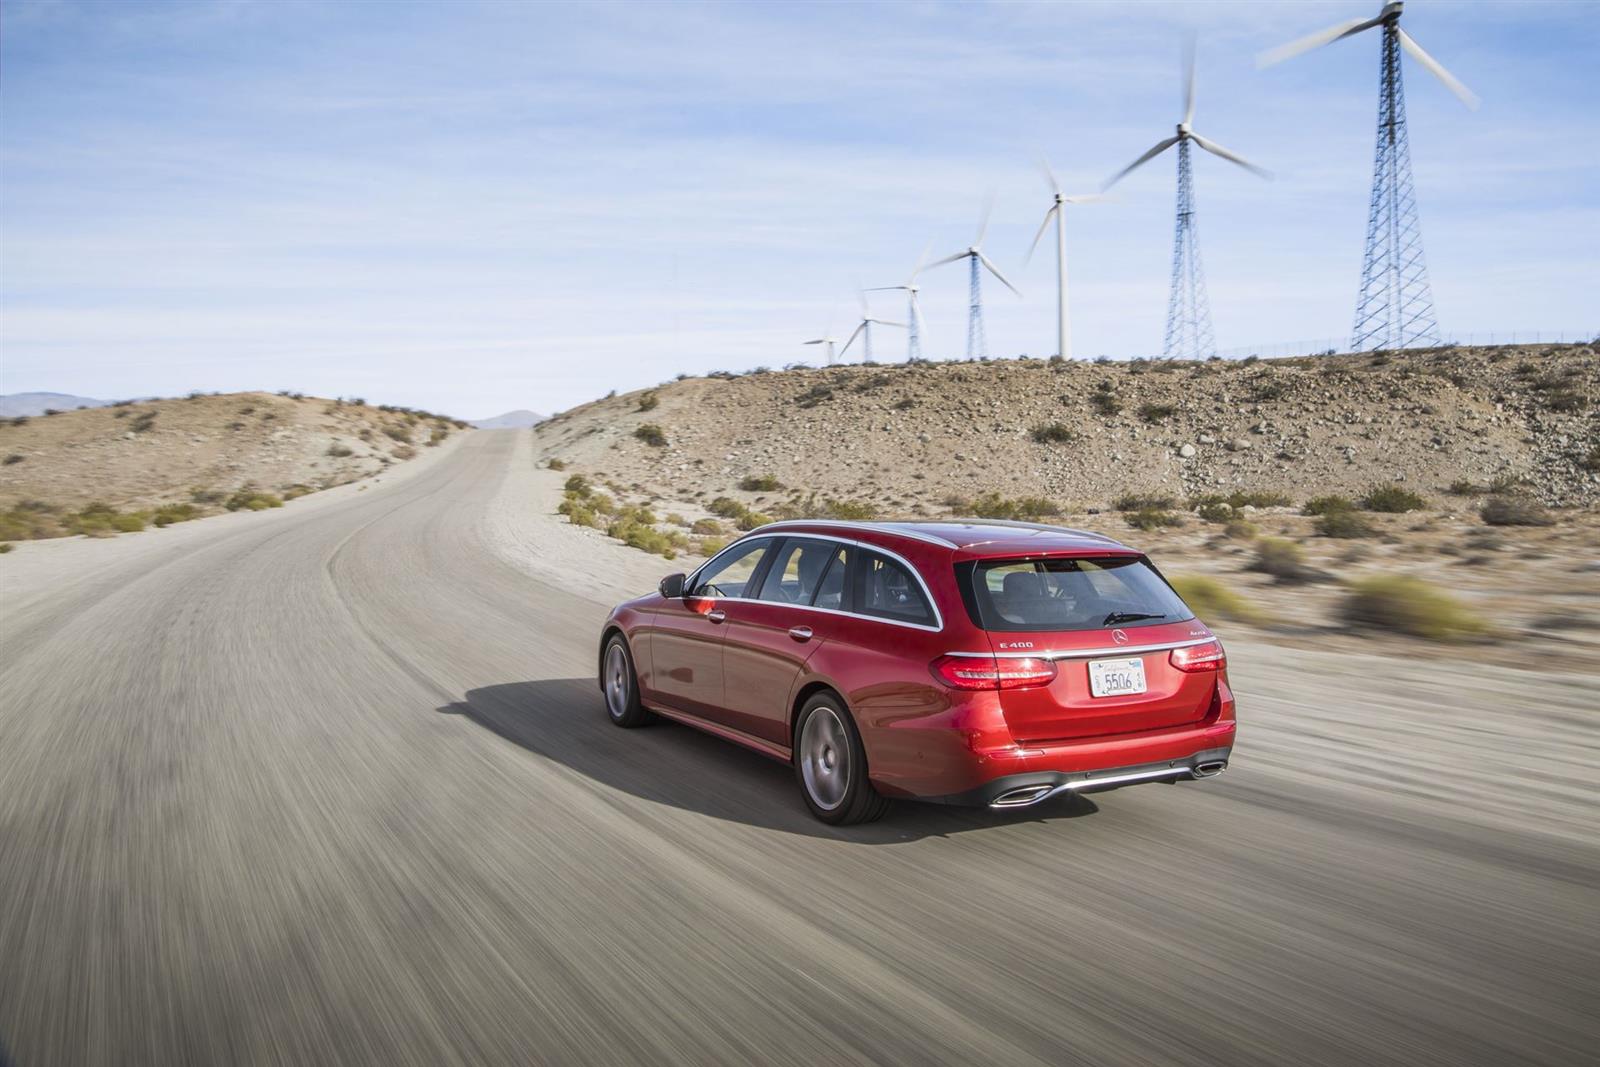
337 786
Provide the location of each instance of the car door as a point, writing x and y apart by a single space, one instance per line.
688 632
771 637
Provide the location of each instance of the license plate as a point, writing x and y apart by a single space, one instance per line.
1116 677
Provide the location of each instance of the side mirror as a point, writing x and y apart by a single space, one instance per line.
672 586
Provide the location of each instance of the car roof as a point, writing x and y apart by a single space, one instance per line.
983 537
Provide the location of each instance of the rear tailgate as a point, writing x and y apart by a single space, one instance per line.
1067 707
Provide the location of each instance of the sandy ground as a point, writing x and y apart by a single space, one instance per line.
334 784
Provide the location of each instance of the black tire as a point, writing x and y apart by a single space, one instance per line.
830 764
619 684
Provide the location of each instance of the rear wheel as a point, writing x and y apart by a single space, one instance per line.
621 684
831 764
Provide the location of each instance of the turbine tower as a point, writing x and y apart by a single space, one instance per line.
1189 334
913 309
864 331
1394 308
826 339
977 344
1058 209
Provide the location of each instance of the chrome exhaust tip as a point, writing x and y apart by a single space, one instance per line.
1210 769
1021 798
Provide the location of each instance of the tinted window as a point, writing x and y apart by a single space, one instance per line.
730 573
800 568
886 589
1070 594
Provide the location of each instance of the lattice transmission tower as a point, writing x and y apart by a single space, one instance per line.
1189 334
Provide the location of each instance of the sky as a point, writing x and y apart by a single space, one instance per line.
474 207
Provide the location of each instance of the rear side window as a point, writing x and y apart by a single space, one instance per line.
1067 594
800 569
885 589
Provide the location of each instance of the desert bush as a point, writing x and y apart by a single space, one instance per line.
1142 502
760 483
1266 388
252 500
207 496
710 546
1257 498
813 396
1151 519
22 420
706 527
1105 402
674 519
1411 606
437 436
855 510
5 546
1344 524
557 464
751 519
649 401
404 452
1209 598
905 404
1327 505
1240 530
51 411
167 514
578 484
296 491
1153 413
143 421
727 507
1214 511
339 451
13 458
1054 433
1023 509
1506 510
1462 487
651 434
398 433
1391 499
1283 559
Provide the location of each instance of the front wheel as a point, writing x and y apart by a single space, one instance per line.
621 684
831 764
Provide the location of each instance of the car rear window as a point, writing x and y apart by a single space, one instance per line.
1067 594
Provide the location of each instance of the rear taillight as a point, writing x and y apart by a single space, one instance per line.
1207 656
993 672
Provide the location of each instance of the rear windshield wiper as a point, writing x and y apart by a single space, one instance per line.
1128 616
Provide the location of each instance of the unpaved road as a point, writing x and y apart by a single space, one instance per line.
335 786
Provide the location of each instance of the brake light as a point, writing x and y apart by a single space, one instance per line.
1193 659
994 672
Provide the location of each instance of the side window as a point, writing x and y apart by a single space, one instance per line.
731 573
830 591
799 569
884 588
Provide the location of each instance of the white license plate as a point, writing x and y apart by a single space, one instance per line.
1116 677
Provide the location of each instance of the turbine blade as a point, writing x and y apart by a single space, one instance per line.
1043 226
996 272
922 263
1160 147
818 341
1232 157
888 322
1049 175
963 254
1085 198
861 295
983 226
853 336
1314 40
1188 79
881 288
1465 95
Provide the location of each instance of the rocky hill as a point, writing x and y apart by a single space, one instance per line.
195 453
926 438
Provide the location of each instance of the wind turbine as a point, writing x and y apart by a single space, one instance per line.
1189 333
864 330
826 339
977 344
913 309
1395 306
1058 209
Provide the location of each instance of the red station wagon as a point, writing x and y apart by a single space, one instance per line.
984 663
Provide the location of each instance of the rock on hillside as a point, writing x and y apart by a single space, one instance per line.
907 437
165 451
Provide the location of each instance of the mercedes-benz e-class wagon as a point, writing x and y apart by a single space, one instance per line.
985 663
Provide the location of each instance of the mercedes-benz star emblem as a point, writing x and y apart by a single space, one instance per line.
1119 637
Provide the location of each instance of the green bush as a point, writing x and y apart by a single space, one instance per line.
710 546
852 510
296 491
1215 512
1142 502
813 396
1209 598
1153 413
1021 509
1240 530
649 401
338 451
1105 402
399 433
1054 433
1462 487
727 507
706 527
1327 505
252 500
652 435
6 546
1151 519
1410 606
760 483
1256 498
15 457
1504 510
1345 524
1392 499
751 519
577 483
167 514
557 464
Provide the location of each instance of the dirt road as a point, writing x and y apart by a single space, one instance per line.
334 785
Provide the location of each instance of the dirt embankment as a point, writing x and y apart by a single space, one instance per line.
199 452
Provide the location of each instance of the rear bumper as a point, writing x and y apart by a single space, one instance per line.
1034 787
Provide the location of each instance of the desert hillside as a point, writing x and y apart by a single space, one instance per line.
906 437
194 453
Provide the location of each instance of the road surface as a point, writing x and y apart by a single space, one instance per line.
336 786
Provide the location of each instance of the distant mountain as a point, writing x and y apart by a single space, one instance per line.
520 419
14 404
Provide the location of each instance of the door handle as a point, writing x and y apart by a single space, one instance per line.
716 614
800 633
